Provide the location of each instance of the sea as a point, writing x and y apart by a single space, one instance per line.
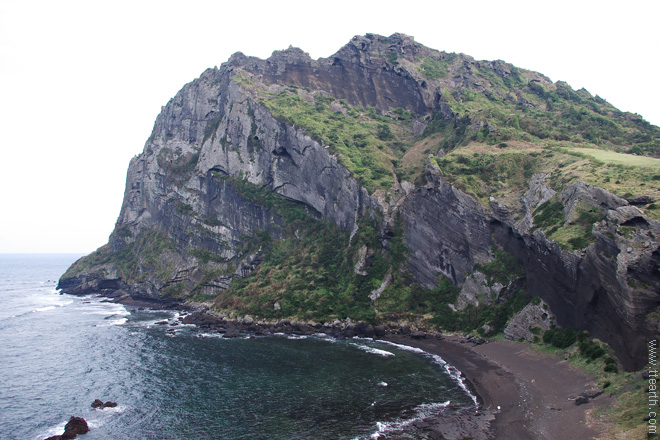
58 353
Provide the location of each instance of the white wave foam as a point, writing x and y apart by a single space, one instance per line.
373 350
110 410
405 347
428 409
100 416
110 312
452 371
422 411
211 335
44 309
457 376
55 430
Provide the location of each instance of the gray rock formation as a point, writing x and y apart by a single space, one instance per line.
531 321
446 230
186 226
537 195
475 290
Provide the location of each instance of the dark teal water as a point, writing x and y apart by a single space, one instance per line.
58 353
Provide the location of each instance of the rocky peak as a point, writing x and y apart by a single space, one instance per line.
290 56
378 46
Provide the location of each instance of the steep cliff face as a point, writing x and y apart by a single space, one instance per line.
245 158
446 231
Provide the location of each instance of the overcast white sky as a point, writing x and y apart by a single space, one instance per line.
81 82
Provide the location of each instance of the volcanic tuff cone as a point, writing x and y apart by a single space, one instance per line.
392 181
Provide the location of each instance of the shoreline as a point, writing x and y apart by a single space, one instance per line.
531 395
521 394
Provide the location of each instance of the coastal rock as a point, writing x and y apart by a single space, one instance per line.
592 394
232 332
380 331
74 427
98 404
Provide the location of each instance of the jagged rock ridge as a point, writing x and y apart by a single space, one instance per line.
227 172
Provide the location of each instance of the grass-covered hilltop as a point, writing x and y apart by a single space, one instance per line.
392 183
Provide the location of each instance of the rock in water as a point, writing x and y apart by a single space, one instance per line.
99 404
75 426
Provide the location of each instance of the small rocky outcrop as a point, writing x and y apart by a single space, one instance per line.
592 195
581 400
98 404
529 322
74 427
537 194
475 289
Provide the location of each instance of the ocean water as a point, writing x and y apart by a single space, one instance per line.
58 353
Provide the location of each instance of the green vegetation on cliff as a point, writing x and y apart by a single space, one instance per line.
142 257
368 144
316 274
501 103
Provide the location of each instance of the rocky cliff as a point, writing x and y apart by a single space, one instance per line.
342 187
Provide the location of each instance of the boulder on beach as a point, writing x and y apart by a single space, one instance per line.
581 400
232 332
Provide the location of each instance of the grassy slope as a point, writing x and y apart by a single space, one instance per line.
503 172
521 105
367 143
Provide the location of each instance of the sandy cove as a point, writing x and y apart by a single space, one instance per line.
523 394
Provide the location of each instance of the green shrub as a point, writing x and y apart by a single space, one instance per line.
392 57
384 132
590 349
610 368
550 214
433 69
560 337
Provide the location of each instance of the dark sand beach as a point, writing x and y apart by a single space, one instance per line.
523 394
